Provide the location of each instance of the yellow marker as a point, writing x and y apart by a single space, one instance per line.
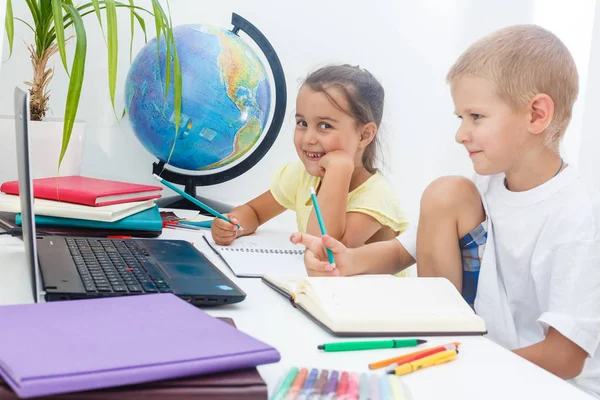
434 359
398 392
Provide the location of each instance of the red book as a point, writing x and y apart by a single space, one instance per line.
87 191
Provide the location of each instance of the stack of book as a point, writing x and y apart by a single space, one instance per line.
83 206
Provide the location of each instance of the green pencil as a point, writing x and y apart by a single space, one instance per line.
372 345
193 200
313 195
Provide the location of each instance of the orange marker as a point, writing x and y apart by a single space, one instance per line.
297 385
417 354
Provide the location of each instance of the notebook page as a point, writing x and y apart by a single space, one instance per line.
381 299
263 253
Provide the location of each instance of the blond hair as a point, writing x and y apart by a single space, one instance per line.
525 60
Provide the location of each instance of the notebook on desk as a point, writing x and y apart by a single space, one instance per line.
71 346
246 384
381 305
262 253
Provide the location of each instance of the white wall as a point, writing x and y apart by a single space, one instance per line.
590 136
408 45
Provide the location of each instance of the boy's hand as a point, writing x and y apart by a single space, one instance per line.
315 257
223 232
337 159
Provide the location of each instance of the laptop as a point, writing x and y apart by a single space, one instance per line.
69 268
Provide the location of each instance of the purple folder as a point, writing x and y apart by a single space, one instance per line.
68 346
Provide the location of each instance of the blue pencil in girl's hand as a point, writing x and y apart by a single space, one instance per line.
194 200
313 195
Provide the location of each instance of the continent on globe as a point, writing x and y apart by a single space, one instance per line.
226 99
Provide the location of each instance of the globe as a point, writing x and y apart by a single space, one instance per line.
226 99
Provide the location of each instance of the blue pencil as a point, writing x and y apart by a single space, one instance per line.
313 195
193 199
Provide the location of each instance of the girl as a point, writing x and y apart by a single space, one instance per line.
338 114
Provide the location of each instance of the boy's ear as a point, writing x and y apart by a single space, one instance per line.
368 134
540 113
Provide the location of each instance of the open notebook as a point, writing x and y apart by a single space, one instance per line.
381 305
262 253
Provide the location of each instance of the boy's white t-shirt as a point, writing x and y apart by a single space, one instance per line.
541 265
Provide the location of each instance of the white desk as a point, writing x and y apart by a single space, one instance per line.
483 370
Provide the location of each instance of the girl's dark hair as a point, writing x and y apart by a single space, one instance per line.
364 94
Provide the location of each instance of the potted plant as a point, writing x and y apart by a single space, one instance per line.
54 23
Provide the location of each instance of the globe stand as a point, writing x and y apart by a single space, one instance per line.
191 182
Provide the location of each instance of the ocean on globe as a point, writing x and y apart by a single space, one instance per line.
225 105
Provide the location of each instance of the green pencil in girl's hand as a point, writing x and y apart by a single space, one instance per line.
313 195
194 200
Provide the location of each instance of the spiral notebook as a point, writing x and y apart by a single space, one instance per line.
262 253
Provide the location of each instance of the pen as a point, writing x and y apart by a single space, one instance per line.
385 391
353 387
395 365
313 195
400 359
331 388
435 359
310 381
193 200
286 384
376 344
398 392
363 388
319 386
374 387
342 389
297 385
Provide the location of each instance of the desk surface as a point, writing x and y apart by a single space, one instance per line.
483 370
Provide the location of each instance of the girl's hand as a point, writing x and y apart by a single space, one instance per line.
336 159
315 257
223 232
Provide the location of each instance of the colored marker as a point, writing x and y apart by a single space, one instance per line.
319 386
397 389
370 345
363 392
393 366
374 387
332 385
285 384
308 385
385 391
342 389
353 387
297 385
399 359
193 200
435 359
313 195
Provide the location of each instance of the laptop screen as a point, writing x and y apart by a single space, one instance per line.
25 190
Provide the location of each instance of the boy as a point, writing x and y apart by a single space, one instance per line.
527 219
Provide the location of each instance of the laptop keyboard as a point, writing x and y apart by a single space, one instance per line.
118 266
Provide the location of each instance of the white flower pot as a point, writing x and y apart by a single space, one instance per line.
45 141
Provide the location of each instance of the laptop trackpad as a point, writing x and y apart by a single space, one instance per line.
180 259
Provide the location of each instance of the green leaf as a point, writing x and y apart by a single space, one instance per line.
113 47
9 23
96 5
177 87
158 21
132 23
76 79
60 31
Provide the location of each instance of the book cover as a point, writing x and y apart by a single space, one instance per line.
85 190
147 220
91 344
111 213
